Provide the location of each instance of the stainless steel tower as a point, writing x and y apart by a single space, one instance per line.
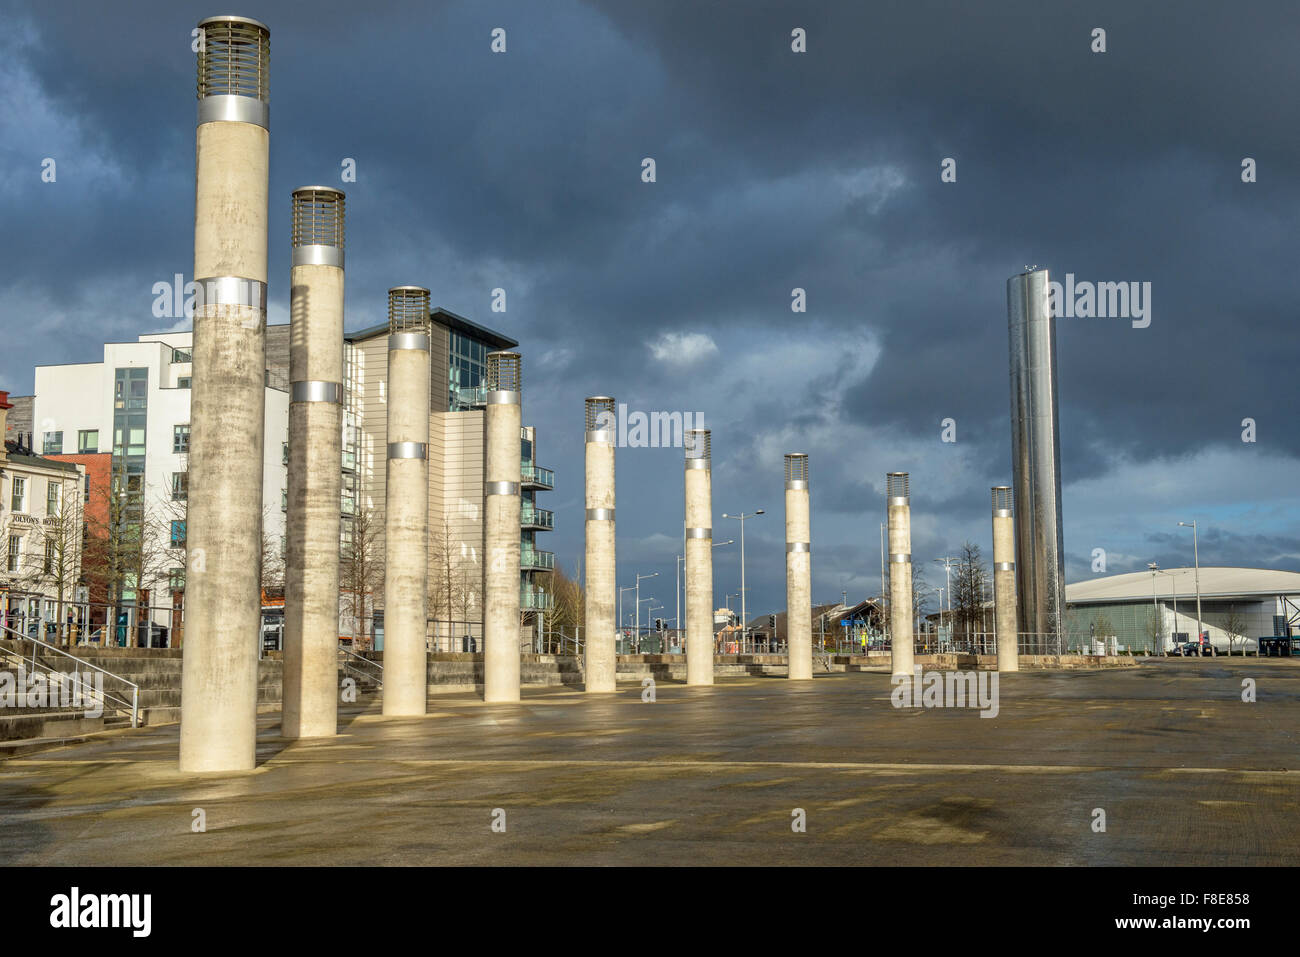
1036 463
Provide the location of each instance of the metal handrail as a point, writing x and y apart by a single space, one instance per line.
348 666
104 696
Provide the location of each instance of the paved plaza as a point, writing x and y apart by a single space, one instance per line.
1184 770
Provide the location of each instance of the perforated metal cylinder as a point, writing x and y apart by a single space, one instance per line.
1004 579
1036 460
900 573
234 67
501 508
406 504
699 559
798 567
227 399
600 595
316 232
311 585
408 309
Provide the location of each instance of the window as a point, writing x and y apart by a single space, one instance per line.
183 382
52 496
53 443
88 440
180 439
15 551
285 450
176 579
178 532
284 500
181 355
85 496
18 498
180 486
49 557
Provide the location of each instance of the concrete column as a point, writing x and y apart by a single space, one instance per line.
601 576
406 504
699 558
311 579
900 572
501 611
1004 580
798 567
224 521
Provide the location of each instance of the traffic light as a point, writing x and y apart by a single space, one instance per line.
771 621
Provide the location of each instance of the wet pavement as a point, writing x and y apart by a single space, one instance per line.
1185 772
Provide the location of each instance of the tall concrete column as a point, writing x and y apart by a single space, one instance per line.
1004 580
311 579
406 504
501 611
223 560
900 572
798 567
601 578
699 558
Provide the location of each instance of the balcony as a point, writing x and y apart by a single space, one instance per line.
468 396
536 477
533 559
535 599
531 516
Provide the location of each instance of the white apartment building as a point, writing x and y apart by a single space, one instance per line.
135 403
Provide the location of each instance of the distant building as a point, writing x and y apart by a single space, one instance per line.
41 540
134 407
458 358
1145 610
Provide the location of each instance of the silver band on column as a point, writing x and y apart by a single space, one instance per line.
318 254
697 463
230 291
900 500
699 533
500 488
229 108
501 397
899 558
796 483
601 436
408 340
1002 513
313 390
600 515
1004 566
406 450
797 547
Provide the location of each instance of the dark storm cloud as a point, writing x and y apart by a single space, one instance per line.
775 170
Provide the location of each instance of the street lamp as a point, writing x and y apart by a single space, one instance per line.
1196 557
621 589
638 601
744 618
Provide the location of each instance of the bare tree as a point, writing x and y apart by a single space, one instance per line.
361 572
1155 630
1235 626
968 589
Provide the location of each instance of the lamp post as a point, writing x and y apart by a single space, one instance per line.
1155 605
638 603
1196 558
621 589
744 619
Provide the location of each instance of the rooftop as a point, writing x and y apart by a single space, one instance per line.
1216 582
